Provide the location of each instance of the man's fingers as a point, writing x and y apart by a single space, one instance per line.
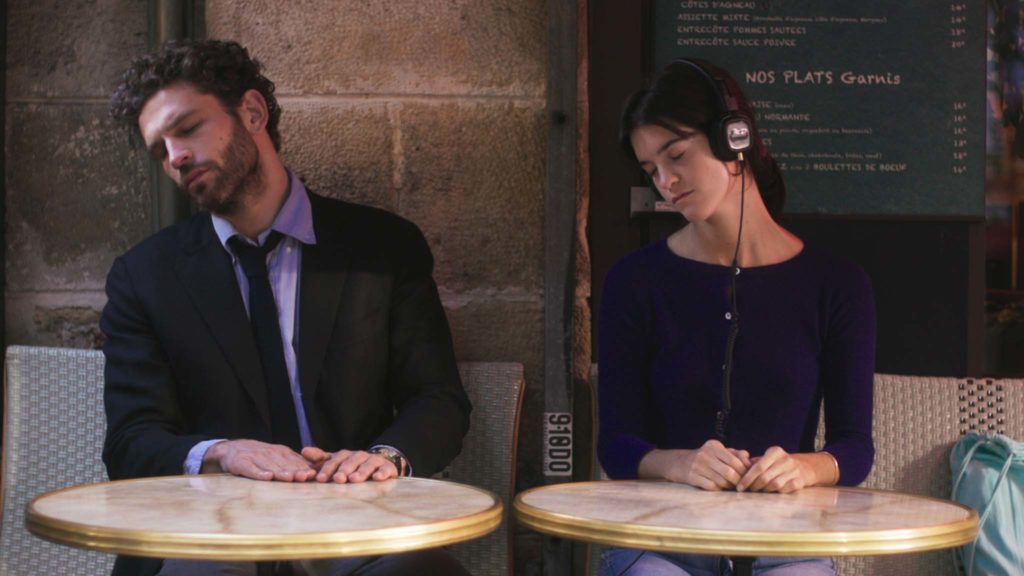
370 467
349 465
315 455
386 472
262 461
328 469
287 465
248 469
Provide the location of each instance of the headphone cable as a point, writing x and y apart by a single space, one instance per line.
722 416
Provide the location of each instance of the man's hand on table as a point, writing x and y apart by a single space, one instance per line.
348 465
262 461
258 460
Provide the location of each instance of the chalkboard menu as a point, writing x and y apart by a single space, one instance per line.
872 107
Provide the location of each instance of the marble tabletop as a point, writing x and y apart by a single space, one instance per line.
231 518
811 522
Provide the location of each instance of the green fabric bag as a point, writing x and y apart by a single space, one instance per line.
988 475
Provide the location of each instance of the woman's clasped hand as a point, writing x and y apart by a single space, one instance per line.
715 466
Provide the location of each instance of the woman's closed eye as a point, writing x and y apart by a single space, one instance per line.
676 155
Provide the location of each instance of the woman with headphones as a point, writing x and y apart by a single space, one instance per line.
718 345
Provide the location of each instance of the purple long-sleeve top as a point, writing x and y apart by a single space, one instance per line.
806 333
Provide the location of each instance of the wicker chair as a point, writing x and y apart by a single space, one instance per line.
917 419
53 434
488 458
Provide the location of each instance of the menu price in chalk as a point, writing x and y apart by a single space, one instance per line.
557 444
958 25
959 138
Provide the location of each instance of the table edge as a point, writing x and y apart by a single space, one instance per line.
258 547
743 543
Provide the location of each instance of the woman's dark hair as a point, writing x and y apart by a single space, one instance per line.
220 68
681 96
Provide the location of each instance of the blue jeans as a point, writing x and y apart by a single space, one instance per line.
627 562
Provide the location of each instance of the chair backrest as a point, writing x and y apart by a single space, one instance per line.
488 458
53 437
53 433
917 419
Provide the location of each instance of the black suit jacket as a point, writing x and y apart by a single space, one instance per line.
374 350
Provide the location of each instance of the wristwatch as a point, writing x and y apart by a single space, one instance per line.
394 456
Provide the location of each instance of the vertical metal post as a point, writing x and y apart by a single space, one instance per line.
170 20
559 278
3 199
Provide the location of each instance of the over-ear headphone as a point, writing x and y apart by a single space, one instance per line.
731 132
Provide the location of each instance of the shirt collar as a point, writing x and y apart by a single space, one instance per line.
295 218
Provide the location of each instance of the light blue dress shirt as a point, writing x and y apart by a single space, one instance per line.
284 264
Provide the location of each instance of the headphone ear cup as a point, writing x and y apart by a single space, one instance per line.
732 134
717 140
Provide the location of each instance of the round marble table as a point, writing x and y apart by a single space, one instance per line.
670 517
223 517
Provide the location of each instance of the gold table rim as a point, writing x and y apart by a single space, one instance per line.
748 543
258 547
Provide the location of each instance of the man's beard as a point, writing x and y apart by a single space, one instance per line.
233 182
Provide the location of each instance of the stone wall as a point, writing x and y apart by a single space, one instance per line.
434 109
76 192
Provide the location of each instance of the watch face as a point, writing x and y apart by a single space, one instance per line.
392 456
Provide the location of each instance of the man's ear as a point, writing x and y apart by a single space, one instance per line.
252 111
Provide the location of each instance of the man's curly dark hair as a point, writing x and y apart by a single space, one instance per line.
217 67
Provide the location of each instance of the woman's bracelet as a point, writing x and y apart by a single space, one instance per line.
835 466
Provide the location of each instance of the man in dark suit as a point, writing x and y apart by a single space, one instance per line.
277 335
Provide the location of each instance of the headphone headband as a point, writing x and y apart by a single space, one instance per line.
732 131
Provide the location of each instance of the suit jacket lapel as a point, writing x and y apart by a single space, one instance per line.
204 268
324 270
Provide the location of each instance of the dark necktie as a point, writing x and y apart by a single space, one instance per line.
284 427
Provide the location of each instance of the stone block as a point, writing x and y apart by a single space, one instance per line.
341 148
71 49
77 196
480 47
68 320
473 179
492 326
